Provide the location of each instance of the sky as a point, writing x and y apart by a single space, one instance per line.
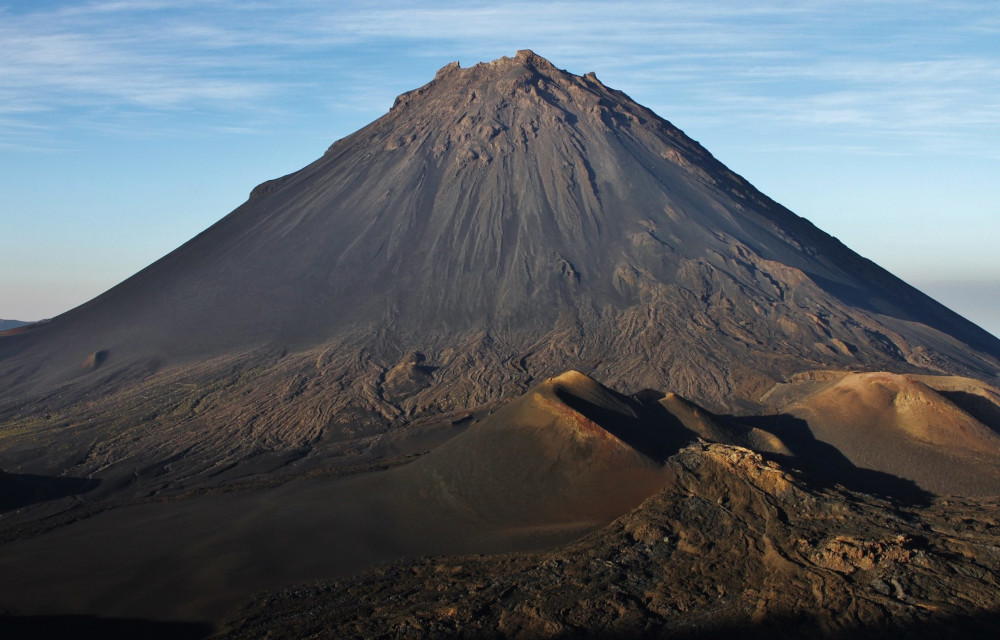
128 126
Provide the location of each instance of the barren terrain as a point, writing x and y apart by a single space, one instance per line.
519 314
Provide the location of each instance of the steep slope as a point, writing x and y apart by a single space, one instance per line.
506 221
569 450
507 197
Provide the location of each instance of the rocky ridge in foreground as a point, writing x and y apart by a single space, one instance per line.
735 544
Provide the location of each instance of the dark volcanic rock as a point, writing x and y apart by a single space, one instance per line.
734 547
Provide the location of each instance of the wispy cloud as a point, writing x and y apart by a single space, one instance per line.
888 67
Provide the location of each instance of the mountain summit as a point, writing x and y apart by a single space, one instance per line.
505 222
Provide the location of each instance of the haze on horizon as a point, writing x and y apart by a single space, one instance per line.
127 128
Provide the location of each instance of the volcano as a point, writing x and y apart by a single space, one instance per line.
501 224
455 278
541 221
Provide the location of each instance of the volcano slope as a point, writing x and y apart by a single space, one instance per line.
499 225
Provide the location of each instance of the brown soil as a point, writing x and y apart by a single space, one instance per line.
922 428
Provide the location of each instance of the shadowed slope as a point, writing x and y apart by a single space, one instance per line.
92 628
19 490
713 429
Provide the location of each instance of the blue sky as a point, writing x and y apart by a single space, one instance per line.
126 127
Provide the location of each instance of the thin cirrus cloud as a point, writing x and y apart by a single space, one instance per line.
810 61
51 67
